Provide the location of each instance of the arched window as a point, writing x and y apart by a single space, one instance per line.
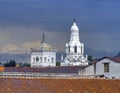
45 59
40 59
37 59
69 49
75 49
81 49
48 60
52 60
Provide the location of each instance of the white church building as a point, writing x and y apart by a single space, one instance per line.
45 56
74 49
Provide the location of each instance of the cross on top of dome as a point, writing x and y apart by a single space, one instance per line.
43 38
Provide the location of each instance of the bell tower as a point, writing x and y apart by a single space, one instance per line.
75 49
74 46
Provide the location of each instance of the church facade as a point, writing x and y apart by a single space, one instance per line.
45 56
74 49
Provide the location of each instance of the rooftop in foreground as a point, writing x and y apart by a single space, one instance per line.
21 85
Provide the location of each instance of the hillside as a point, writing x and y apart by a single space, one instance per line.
22 58
19 58
45 85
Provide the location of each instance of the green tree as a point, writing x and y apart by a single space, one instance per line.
24 65
11 63
90 58
57 63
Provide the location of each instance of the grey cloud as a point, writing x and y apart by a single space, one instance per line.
12 38
101 41
24 21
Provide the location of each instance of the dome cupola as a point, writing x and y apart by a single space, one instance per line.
74 26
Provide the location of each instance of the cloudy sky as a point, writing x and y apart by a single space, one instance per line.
22 23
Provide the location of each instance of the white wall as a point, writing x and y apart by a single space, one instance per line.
114 68
50 59
89 70
100 66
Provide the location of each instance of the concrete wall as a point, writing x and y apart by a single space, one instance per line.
114 68
88 70
98 69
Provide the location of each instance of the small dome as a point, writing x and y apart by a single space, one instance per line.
74 27
46 47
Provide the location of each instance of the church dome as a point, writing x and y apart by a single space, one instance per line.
74 27
43 47
46 47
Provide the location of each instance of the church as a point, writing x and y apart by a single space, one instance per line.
45 56
74 49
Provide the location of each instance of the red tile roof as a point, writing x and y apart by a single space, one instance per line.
62 69
20 85
115 59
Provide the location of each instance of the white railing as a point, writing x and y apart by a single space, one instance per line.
29 74
47 75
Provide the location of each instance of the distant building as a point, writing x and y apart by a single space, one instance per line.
45 56
107 67
74 49
1 68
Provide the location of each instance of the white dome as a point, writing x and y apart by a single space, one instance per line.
74 27
46 47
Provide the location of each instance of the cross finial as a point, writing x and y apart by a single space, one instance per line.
43 38
74 20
